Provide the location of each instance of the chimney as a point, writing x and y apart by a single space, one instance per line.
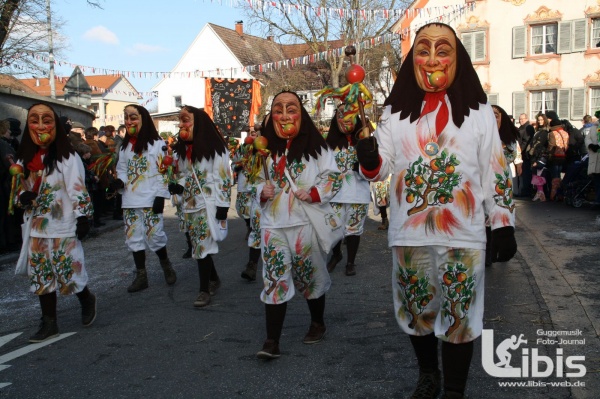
239 27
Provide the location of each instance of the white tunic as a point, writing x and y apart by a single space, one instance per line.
443 188
143 181
62 198
355 189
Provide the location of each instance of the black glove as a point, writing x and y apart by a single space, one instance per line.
222 213
158 206
504 245
83 227
356 167
175 188
367 153
117 184
594 147
27 197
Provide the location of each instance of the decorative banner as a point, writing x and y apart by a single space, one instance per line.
232 103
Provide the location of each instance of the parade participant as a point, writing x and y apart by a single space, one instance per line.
439 139
57 207
242 202
143 191
246 158
292 259
352 201
380 194
205 181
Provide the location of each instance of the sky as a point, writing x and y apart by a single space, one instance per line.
135 35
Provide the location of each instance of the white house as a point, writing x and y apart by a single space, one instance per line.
531 55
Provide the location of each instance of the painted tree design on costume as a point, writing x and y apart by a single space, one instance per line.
41 271
84 203
151 219
503 196
345 159
303 272
416 293
64 269
130 219
44 199
430 184
274 266
136 169
457 288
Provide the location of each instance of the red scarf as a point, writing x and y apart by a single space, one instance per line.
431 104
36 165
280 168
188 152
132 141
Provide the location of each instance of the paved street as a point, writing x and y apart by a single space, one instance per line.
154 344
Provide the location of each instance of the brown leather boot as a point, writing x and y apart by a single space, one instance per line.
140 282
250 272
170 275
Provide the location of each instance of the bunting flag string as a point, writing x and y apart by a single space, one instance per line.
431 14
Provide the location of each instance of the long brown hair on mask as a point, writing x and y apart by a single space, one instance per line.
147 134
465 93
59 150
206 141
508 131
337 139
308 142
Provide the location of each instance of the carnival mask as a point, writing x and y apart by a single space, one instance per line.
133 121
347 125
186 125
434 58
286 112
42 125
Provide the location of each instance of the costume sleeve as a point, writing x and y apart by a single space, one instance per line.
518 158
495 173
329 179
383 134
74 177
122 166
160 182
222 177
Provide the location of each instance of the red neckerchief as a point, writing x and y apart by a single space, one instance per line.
36 165
132 141
431 104
188 151
280 168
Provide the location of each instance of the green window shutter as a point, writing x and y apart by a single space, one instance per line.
519 103
577 103
493 98
579 35
467 41
564 38
563 102
519 40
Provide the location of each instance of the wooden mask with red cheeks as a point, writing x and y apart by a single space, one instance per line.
346 126
434 58
186 125
286 112
133 121
42 125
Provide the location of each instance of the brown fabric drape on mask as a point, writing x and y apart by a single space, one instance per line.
465 93
308 142
147 134
58 150
207 140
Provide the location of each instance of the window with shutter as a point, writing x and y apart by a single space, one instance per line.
579 35
519 48
577 103
542 101
564 99
564 37
493 98
594 99
519 101
595 33
544 38
467 41
479 46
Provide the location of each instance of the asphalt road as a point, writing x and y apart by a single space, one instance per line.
154 344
